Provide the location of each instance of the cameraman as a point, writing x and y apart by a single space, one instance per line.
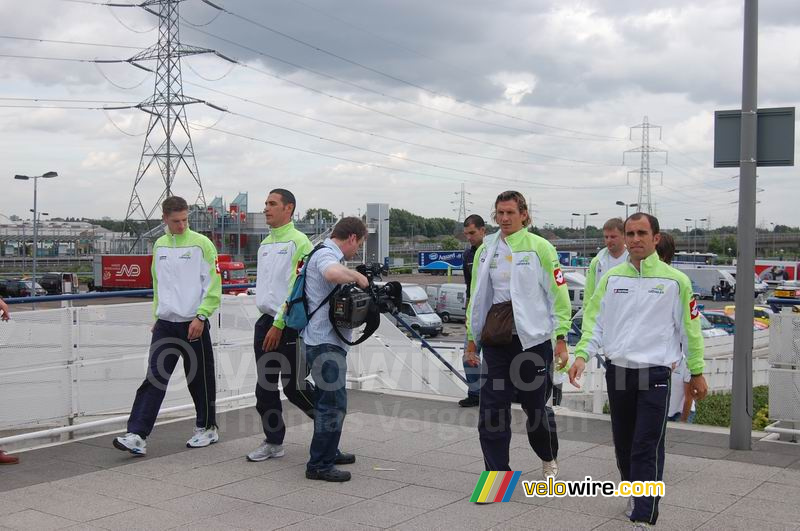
325 352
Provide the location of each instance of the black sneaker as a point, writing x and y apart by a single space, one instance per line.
343 458
334 475
470 401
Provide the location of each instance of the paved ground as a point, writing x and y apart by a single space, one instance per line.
418 461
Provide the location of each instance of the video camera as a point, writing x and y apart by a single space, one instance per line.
351 306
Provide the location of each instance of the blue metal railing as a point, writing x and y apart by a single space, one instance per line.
105 294
776 303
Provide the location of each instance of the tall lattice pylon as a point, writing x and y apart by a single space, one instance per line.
168 143
645 195
462 202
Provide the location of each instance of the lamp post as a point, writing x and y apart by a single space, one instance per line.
694 240
626 205
585 216
48 175
773 237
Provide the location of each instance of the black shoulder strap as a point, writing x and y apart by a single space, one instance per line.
372 324
334 290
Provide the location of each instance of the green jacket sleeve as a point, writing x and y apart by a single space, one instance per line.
473 285
556 284
304 247
155 281
591 280
214 294
592 330
690 320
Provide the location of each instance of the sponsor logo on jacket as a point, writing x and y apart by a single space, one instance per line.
694 311
525 260
186 256
558 275
658 290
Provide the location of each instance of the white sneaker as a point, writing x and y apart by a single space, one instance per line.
203 437
132 443
265 451
550 468
629 509
641 526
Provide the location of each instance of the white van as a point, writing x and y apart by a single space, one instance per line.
576 283
452 302
417 312
433 294
705 278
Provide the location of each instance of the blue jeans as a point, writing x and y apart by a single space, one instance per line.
328 365
473 375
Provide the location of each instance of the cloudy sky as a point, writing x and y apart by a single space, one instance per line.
401 102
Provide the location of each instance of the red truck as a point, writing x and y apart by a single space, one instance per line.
116 272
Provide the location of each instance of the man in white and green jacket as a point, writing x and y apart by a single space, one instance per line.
280 258
641 316
186 291
518 266
613 254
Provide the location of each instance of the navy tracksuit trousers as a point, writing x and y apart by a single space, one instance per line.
271 365
639 400
508 369
170 342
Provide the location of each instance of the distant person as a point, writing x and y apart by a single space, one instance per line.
279 258
186 291
5 459
614 253
642 317
519 307
474 231
666 248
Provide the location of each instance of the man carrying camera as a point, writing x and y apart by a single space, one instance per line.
326 354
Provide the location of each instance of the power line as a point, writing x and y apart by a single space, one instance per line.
358 105
384 137
380 93
103 45
405 82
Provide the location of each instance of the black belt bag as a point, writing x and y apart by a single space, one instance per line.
499 325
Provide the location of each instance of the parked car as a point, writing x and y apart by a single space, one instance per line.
574 334
55 283
721 320
761 313
3 287
22 288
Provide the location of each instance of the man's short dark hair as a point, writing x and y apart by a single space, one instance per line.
650 218
666 248
347 226
287 198
174 204
474 219
615 223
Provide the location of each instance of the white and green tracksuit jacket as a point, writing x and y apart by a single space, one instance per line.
642 318
279 260
186 279
538 289
599 266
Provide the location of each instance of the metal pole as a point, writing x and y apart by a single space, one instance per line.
742 391
584 237
35 237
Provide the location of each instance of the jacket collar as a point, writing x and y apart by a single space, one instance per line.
513 239
647 264
283 230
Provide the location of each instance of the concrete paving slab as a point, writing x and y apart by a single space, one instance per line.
376 513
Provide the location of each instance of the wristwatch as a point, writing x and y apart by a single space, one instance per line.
200 317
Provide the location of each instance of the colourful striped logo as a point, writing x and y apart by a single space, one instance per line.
495 487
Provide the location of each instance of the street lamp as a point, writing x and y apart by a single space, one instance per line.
585 215
48 175
695 230
626 205
773 237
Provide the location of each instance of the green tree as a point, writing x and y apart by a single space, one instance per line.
449 243
324 214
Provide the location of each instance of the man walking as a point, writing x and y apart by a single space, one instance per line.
279 258
613 254
474 231
642 314
6 459
326 354
186 292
